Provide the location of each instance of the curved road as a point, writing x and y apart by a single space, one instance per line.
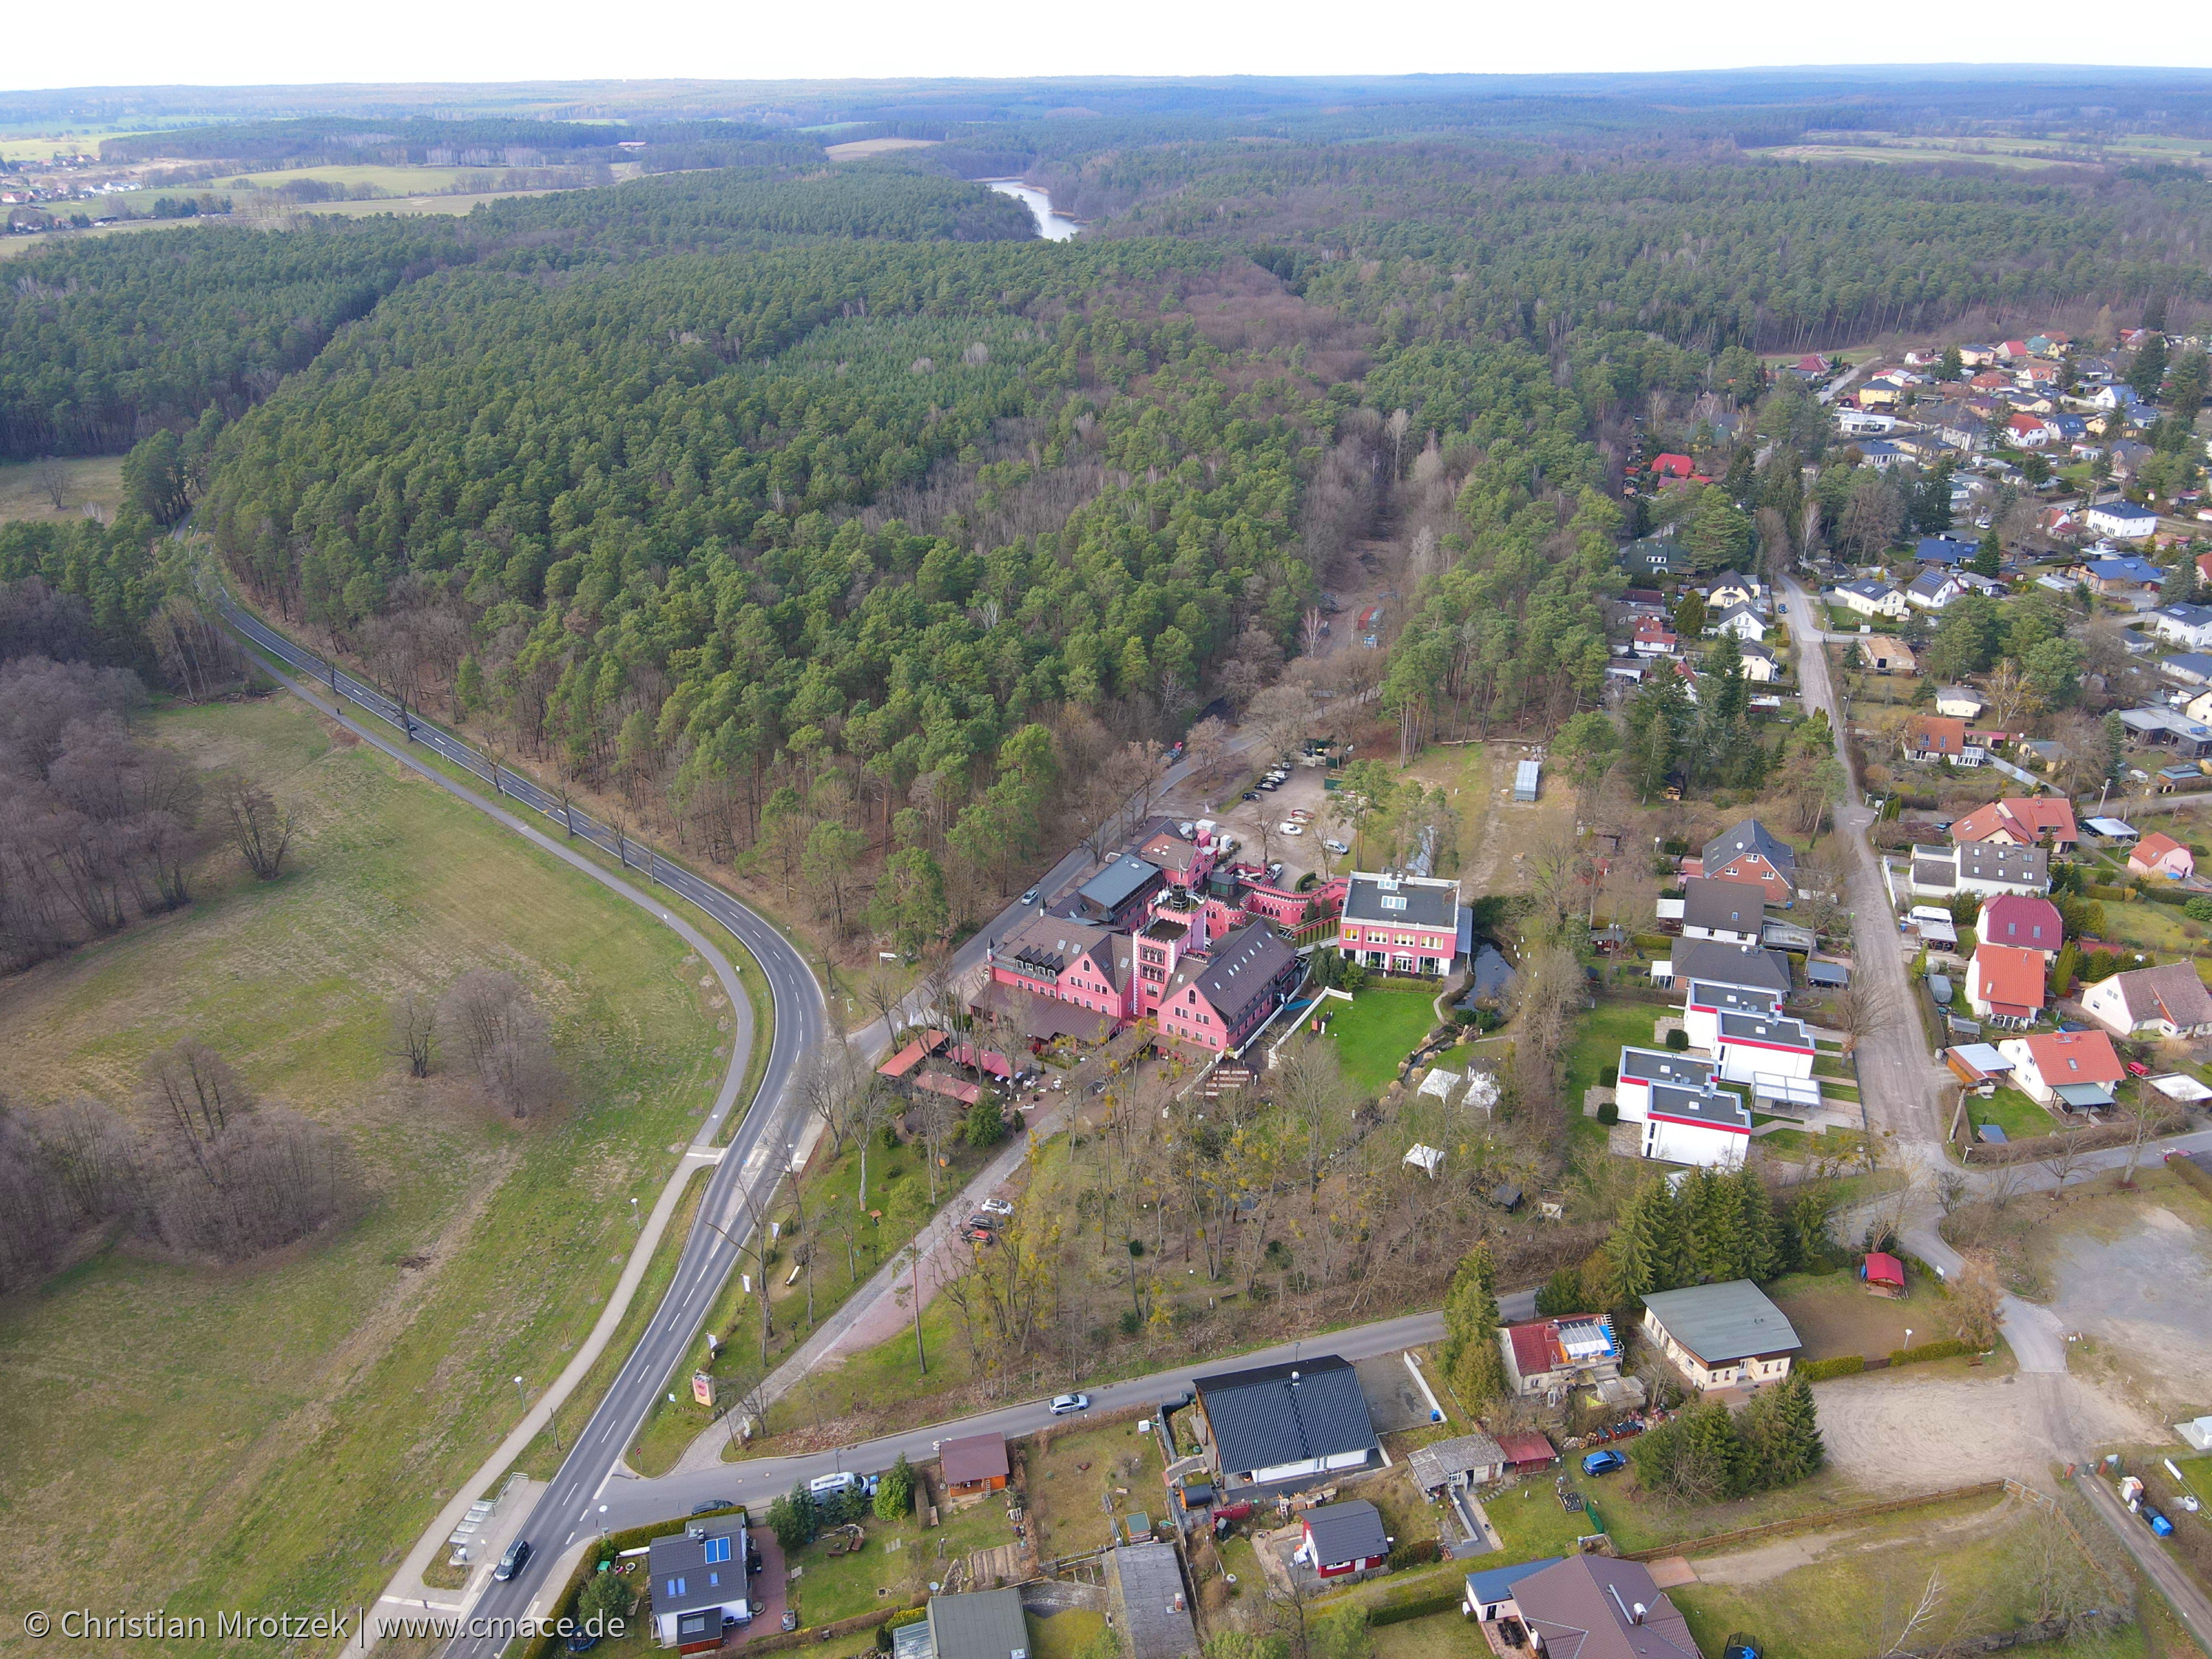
567 1508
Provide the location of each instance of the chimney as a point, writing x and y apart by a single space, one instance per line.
1638 1613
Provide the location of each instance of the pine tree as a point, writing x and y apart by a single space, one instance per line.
2068 967
1989 556
1630 1253
1762 1232
1676 1260
1472 1361
1562 1294
1713 1225
1781 1433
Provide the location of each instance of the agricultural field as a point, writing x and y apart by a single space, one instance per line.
273 1434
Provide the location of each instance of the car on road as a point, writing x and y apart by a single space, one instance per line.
821 1486
1290 829
714 1504
1780 608
1030 898
996 1207
510 1564
1603 1462
1066 1405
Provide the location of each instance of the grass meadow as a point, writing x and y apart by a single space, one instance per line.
275 1435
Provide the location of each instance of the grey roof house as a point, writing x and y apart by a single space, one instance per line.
1282 1423
979 1625
1731 911
1722 1334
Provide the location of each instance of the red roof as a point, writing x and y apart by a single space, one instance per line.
913 1054
1936 734
2008 975
2075 1057
937 1083
1675 466
1526 1446
1882 1268
2159 845
2026 819
2026 923
1532 1347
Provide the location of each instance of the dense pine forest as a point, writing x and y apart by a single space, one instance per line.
842 528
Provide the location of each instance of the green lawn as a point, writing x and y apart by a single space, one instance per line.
1531 1524
1439 1636
1374 1034
277 1434
1596 1043
895 1564
2021 1118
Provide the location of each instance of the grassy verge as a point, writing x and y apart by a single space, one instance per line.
2021 1118
280 1432
847 1246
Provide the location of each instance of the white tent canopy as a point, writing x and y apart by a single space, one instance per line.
1427 1159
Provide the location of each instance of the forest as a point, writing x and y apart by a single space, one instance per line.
833 524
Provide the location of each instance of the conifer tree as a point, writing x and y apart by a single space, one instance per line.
1762 1234
1472 1361
1781 1433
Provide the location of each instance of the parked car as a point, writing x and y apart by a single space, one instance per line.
996 1207
1251 794
517 1553
1030 898
1303 814
1290 829
1603 1462
1336 847
1269 785
713 1504
822 1486
2136 1068
989 1224
1067 1405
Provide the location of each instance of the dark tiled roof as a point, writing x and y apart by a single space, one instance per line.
1118 883
1242 967
1718 962
981 1625
680 1559
1737 906
1262 1419
1346 1532
1751 837
1425 906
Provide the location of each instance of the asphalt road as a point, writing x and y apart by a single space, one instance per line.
1901 1086
757 1150
631 1502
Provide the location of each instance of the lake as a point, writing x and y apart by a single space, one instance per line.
1052 227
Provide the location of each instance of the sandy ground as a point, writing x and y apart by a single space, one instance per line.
1896 1432
2141 1296
874 147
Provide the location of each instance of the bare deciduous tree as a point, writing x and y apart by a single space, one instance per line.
51 475
260 827
414 1032
490 1019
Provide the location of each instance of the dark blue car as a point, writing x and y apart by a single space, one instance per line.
1603 1462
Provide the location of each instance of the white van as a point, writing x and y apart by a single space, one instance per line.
822 1485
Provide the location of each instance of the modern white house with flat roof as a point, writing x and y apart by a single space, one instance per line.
1752 1046
1722 1336
1705 1004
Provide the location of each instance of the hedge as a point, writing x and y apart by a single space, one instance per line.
2112 895
1414 1552
1818 1370
2175 896
1949 1347
1417 1607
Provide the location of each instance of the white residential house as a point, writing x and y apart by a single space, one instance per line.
1982 868
1933 589
1752 1048
2168 1001
1720 1335
1958 701
1705 1004
1740 620
1864 423
2124 521
2189 626
1760 665
1873 598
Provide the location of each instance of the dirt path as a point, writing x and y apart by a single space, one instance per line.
1771 1560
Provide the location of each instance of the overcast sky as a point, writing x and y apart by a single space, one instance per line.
246 42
